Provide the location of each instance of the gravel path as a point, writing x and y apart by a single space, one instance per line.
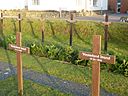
76 89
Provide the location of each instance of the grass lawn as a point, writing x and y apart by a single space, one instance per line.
57 33
114 83
8 87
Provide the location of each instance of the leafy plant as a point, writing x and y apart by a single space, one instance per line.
4 42
57 47
121 66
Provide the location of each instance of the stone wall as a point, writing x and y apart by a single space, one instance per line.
46 14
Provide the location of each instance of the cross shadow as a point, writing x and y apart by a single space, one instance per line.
14 26
41 64
37 60
5 46
33 90
50 23
78 36
11 68
32 29
60 41
42 35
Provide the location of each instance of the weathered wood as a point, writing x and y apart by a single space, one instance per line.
42 35
1 23
19 65
96 66
106 23
19 19
71 27
96 58
1 18
101 58
106 17
42 28
14 17
71 21
19 50
71 16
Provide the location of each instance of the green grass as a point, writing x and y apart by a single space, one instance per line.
45 65
82 41
114 83
8 87
118 33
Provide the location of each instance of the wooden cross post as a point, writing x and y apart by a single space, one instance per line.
71 21
42 31
106 23
1 25
14 24
19 50
42 28
96 57
60 13
19 18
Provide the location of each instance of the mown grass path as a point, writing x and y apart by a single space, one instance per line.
76 89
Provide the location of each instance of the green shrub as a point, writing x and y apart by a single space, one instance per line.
121 66
56 40
55 52
36 49
10 39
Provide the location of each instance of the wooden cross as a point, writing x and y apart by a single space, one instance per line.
19 50
14 24
1 25
19 18
42 28
60 13
96 58
71 21
106 23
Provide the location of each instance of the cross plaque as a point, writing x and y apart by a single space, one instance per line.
96 58
19 50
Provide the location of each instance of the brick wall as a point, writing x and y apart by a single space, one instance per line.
112 5
124 6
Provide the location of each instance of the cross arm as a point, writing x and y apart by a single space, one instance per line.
71 21
21 49
100 58
106 23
